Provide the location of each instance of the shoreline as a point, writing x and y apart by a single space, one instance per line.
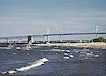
79 45
90 45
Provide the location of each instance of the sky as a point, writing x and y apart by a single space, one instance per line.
29 17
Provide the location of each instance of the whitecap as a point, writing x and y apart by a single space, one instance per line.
68 51
96 55
71 56
14 53
62 50
33 65
65 53
66 57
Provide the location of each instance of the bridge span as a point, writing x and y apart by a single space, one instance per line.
48 35
56 34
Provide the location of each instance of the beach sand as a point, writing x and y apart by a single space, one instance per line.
92 45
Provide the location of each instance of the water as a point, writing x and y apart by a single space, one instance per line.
66 62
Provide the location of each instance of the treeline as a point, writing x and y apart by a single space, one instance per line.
100 39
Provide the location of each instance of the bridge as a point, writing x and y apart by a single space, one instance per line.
48 35
42 35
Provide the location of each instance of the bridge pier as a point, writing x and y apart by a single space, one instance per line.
60 38
29 39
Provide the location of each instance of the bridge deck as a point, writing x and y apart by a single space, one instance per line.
42 35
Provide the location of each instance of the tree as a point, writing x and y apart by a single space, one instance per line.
100 39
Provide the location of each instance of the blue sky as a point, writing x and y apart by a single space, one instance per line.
24 17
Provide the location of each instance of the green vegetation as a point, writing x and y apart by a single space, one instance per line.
100 39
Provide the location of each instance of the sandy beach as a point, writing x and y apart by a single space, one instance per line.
92 45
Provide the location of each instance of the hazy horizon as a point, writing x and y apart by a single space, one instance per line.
29 17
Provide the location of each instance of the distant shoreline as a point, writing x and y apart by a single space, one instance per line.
91 45
81 45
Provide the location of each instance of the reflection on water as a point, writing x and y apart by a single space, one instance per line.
62 62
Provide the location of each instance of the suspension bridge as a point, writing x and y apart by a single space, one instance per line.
29 37
48 35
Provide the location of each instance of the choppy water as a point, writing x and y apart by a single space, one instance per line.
66 62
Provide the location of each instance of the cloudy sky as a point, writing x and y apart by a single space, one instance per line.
24 17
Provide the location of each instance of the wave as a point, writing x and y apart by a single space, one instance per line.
33 65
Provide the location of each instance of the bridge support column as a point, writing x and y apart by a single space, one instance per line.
60 39
48 39
29 38
7 39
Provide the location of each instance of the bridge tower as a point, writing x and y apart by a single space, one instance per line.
96 30
48 37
